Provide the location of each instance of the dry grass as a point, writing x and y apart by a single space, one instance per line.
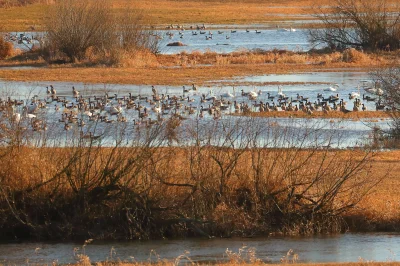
181 12
198 67
380 209
6 48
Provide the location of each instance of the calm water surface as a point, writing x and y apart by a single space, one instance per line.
339 248
223 40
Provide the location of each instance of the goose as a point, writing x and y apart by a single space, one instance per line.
280 93
112 109
257 31
368 98
355 107
67 126
16 117
227 95
375 91
270 97
157 109
332 88
136 123
81 123
121 118
364 108
52 90
354 95
75 92
30 109
253 95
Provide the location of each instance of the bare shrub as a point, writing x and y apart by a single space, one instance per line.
75 27
6 48
389 81
367 25
238 176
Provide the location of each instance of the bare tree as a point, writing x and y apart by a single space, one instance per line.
367 25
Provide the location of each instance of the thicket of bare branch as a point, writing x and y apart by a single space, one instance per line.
230 177
364 24
81 29
389 81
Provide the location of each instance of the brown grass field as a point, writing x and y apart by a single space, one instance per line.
165 12
200 68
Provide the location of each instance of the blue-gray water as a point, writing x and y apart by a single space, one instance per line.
223 42
337 248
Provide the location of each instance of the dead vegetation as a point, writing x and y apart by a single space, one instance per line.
6 48
229 179
143 67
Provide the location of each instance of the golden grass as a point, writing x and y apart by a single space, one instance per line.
162 12
147 69
320 114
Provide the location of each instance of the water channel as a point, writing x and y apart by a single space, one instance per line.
349 247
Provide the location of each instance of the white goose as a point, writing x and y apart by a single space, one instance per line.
332 88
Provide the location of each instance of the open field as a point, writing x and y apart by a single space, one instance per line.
165 12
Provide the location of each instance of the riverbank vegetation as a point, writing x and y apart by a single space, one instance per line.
228 178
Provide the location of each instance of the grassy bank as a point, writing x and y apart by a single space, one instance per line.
196 67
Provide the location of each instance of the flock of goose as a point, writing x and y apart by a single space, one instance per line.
201 30
147 110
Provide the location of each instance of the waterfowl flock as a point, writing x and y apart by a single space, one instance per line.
78 110
208 34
